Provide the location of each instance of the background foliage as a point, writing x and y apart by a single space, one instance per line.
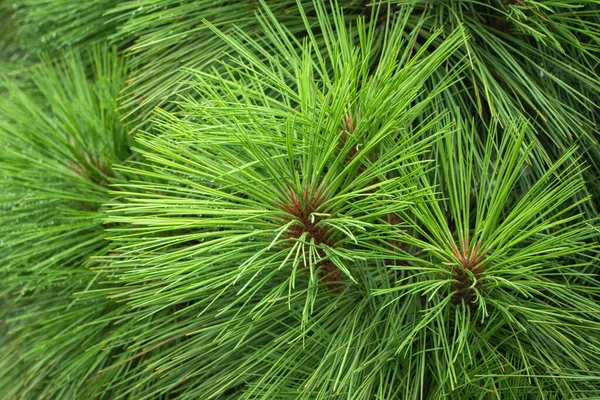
304 200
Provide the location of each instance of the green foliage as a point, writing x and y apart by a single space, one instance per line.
393 200
12 59
44 25
535 59
59 147
158 37
166 34
59 144
504 300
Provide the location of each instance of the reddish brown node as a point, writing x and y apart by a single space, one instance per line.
80 169
467 275
302 208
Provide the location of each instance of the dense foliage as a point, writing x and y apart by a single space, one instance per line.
299 200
